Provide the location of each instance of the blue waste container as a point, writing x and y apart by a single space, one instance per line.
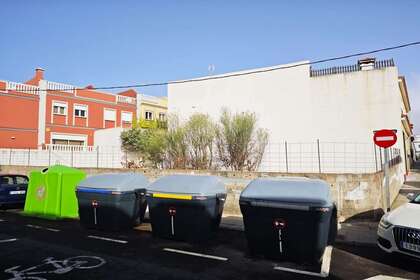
288 219
112 201
186 207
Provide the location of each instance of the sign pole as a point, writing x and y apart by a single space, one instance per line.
386 175
385 138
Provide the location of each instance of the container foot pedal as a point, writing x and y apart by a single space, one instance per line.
325 266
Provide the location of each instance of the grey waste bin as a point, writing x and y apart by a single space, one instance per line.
291 219
186 207
112 201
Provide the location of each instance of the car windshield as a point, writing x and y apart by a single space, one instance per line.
416 199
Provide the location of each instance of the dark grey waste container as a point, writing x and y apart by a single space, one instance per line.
289 219
112 201
186 207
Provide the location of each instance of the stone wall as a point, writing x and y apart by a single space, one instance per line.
354 194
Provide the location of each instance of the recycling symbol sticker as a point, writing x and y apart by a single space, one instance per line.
40 193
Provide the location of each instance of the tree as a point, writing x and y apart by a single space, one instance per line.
240 144
176 148
132 140
200 133
155 145
149 143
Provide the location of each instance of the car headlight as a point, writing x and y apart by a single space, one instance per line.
384 223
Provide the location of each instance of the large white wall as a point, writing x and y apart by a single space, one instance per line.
109 137
296 107
276 98
349 107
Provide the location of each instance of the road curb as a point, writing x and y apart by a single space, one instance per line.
355 243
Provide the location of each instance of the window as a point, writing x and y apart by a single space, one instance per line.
110 115
76 143
68 142
148 115
127 117
68 139
416 200
59 108
80 111
60 142
21 180
7 180
162 116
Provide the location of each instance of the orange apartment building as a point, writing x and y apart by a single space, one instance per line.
40 112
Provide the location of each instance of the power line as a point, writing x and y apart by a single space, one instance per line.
255 71
266 70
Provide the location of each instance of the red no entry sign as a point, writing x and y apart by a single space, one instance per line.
385 138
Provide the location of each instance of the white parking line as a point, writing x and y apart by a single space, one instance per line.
1 220
385 277
52 229
34 226
8 240
195 254
46 228
107 239
325 267
326 261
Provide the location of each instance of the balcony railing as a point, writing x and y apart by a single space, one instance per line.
60 87
29 89
69 148
349 68
153 124
126 99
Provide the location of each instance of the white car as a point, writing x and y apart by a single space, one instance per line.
399 230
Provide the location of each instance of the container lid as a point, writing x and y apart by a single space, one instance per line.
297 190
188 184
61 169
114 182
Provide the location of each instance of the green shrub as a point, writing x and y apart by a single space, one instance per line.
200 133
149 143
240 144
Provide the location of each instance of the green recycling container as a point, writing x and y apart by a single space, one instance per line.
51 192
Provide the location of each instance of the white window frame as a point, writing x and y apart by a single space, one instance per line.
126 113
59 103
151 113
115 114
86 108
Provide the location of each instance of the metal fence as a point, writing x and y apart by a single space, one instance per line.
287 157
97 157
349 68
325 157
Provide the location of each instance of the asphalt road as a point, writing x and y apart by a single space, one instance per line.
26 243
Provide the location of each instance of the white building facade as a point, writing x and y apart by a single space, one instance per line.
300 105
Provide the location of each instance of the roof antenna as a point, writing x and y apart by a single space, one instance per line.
211 69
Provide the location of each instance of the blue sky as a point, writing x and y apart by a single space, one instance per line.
108 43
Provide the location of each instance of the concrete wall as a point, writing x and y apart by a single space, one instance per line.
355 194
108 137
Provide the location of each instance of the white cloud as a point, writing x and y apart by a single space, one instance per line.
413 84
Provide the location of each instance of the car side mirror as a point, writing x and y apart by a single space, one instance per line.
411 196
